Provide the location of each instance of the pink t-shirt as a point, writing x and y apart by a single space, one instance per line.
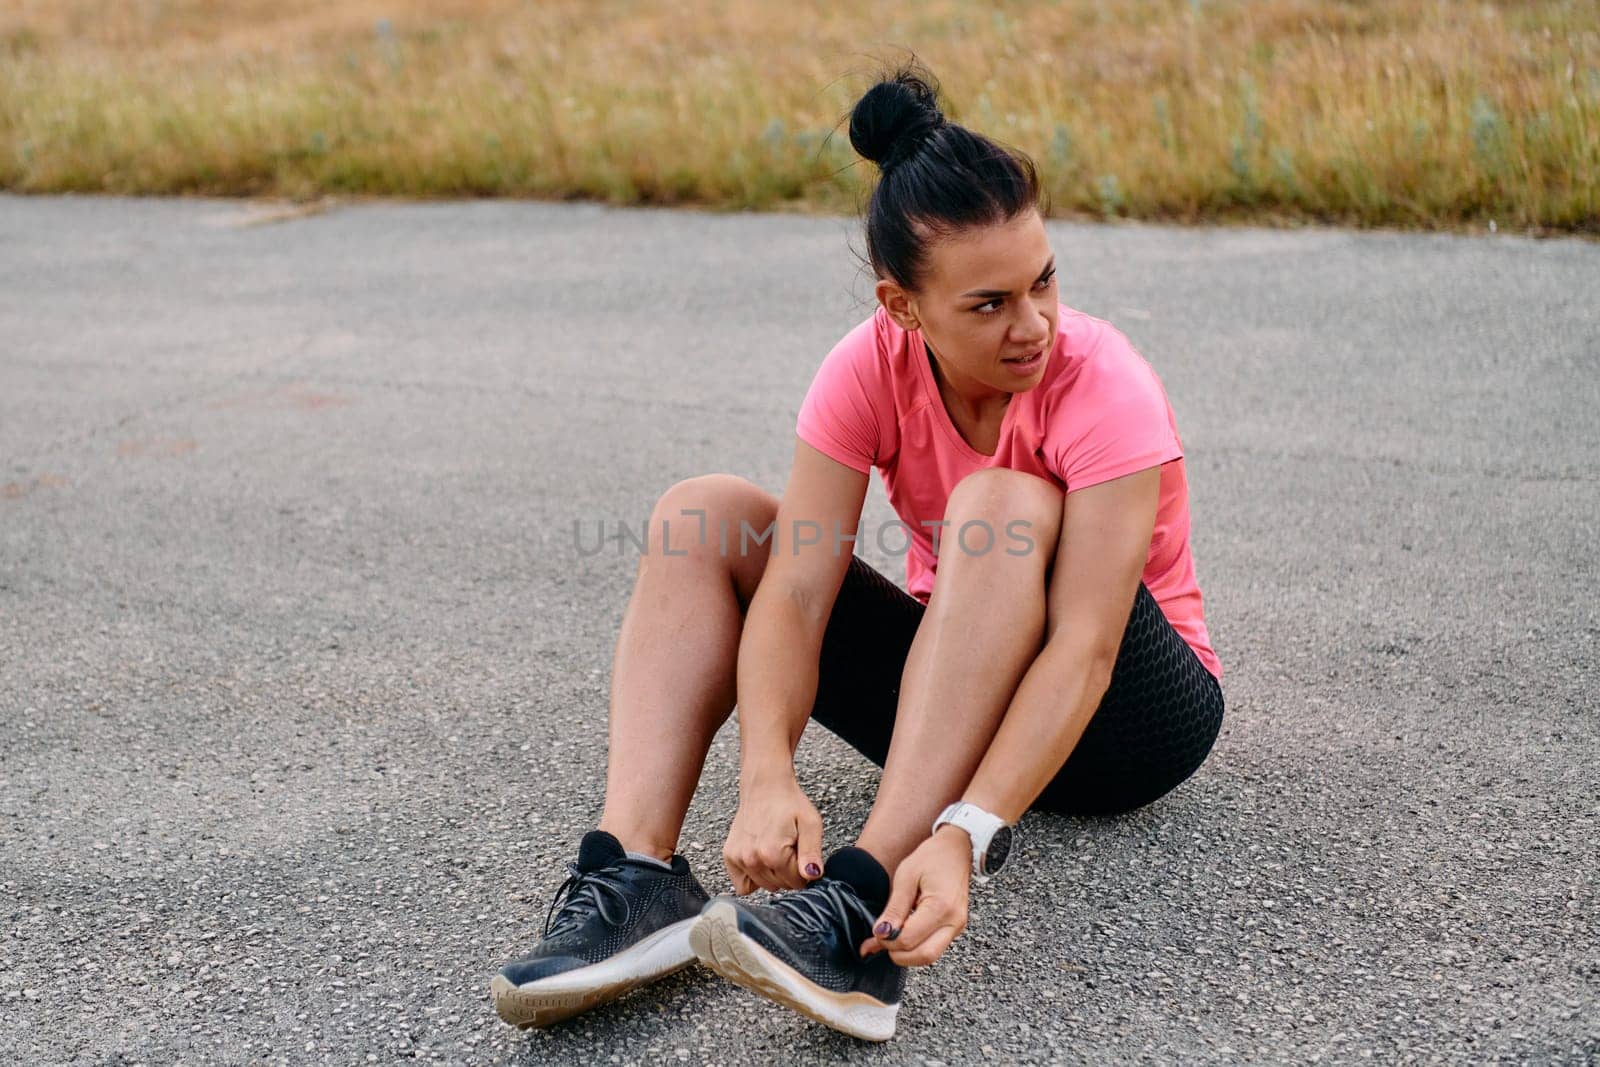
1098 412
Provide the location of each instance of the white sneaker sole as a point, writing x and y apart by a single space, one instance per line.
561 996
717 942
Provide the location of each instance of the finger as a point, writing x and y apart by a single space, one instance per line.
930 950
749 870
872 945
770 880
785 876
808 856
755 875
778 870
929 915
902 899
786 869
742 885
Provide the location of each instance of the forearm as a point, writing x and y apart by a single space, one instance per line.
776 683
1054 702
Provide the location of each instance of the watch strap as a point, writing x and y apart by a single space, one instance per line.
980 826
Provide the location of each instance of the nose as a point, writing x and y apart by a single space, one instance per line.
1035 331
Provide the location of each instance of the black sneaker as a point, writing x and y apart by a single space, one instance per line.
614 924
803 949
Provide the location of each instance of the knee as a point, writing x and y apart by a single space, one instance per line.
702 491
1018 512
690 517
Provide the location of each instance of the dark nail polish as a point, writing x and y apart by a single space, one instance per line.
813 871
883 930
892 935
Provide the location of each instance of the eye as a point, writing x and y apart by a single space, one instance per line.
1040 284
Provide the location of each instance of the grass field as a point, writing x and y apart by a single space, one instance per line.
1408 113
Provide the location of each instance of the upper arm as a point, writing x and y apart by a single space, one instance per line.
1099 559
821 506
842 414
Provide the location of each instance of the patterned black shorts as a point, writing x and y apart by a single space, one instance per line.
1153 728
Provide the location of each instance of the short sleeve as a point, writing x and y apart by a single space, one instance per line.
1122 421
838 416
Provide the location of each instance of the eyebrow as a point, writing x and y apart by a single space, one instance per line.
1007 292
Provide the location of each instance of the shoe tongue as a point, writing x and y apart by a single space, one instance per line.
599 849
857 868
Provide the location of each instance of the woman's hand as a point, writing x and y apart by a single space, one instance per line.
775 841
928 902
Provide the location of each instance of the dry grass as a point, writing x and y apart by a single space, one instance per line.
1413 113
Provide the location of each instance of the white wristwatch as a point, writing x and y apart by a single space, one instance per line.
991 837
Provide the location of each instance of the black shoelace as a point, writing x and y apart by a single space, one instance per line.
826 902
583 894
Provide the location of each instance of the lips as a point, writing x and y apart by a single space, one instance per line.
1024 359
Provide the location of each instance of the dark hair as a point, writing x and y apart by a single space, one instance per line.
935 177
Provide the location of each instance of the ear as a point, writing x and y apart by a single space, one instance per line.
897 302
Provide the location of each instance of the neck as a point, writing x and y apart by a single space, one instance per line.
976 408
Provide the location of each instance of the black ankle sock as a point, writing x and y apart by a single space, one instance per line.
861 870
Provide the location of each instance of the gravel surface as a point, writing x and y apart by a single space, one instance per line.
303 676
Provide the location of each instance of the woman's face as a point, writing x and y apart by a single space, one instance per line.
989 296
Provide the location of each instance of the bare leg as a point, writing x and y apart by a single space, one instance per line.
984 625
672 676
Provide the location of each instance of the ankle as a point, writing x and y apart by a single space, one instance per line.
641 842
863 872
886 851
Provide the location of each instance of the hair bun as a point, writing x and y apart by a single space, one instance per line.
894 117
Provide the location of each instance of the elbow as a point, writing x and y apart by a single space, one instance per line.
795 602
1097 672
1103 682
1091 665
804 600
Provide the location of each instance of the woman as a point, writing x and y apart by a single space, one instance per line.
1052 654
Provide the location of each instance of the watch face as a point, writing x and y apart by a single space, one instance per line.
994 857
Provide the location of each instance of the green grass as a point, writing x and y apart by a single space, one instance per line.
1410 113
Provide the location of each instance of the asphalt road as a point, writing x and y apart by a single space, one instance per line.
303 675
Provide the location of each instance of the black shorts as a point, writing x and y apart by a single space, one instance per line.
1154 726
